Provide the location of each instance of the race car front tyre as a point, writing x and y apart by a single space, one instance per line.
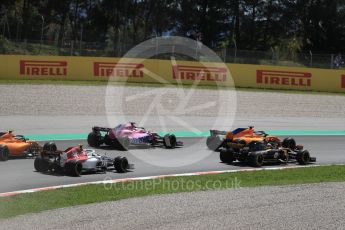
213 142
303 157
255 159
289 143
226 156
94 139
4 152
40 165
121 164
73 168
169 141
49 147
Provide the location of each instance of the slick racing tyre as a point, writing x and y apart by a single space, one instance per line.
121 164
94 139
226 156
49 147
289 143
303 157
255 159
169 141
213 142
40 165
73 168
4 153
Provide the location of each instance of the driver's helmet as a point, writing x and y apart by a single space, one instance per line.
130 126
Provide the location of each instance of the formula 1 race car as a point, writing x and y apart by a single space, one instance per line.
258 153
256 147
17 146
217 139
125 135
75 160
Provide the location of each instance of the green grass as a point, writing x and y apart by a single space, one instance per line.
66 197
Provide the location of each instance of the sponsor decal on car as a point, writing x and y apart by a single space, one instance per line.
140 140
43 68
196 73
114 69
271 77
343 81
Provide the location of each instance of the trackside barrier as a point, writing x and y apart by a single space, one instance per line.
167 72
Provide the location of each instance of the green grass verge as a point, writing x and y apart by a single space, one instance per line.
66 197
157 85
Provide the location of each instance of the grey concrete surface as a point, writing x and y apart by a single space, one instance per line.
82 124
40 109
314 206
19 174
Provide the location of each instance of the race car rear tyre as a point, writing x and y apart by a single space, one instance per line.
289 143
4 153
214 142
73 168
303 157
121 164
50 147
169 141
255 159
94 139
226 156
40 165
124 143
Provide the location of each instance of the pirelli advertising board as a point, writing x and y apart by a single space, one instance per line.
168 72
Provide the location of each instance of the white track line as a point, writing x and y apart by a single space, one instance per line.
8 194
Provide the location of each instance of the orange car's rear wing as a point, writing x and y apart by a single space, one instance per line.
217 132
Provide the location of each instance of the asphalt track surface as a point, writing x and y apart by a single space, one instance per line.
19 174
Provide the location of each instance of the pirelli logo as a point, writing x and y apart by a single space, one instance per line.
43 68
114 69
200 73
343 81
270 77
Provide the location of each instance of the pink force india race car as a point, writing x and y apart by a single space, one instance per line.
125 135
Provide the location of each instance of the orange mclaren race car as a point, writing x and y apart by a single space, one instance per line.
16 146
246 145
242 136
